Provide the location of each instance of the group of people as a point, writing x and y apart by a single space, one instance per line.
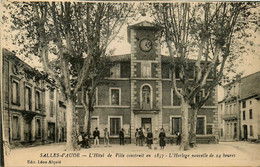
83 140
140 138
96 135
140 135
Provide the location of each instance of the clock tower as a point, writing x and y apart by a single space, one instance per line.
146 78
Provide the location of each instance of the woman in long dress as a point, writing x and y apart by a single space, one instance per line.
162 138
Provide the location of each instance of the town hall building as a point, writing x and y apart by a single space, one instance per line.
140 93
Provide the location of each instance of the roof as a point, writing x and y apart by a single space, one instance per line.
141 25
11 56
127 57
250 85
124 57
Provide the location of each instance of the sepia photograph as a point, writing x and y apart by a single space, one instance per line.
130 83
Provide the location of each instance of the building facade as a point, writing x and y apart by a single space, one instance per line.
139 92
29 105
230 115
250 107
240 109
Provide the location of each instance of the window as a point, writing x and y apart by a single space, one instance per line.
250 114
115 71
115 126
244 104
28 99
115 96
200 126
250 102
51 94
221 132
251 130
51 103
209 129
244 115
37 100
199 95
221 106
38 128
234 108
146 70
15 92
146 97
226 109
176 125
15 127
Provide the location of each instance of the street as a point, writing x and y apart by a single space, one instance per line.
224 154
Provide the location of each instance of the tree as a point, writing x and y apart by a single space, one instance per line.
198 37
70 39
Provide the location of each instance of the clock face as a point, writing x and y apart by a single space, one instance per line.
145 45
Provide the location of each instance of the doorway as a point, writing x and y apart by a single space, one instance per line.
51 132
146 123
27 130
245 131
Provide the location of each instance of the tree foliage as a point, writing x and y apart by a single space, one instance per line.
71 39
200 36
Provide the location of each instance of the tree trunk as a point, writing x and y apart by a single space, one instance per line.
86 119
185 135
192 133
71 129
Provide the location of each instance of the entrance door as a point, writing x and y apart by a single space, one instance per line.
27 130
51 132
62 134
146 123
235 131
245 131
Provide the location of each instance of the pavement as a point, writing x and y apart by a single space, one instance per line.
223 154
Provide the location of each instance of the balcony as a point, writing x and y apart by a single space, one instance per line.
140 111
233 116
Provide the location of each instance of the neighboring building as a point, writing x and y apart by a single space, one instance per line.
250 106
239 110
51 111
229 108
140 94
28 108
61 115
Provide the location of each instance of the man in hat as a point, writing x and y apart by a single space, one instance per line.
96 135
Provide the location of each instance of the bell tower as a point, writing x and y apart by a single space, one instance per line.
146 83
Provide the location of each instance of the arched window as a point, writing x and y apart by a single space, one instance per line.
146 101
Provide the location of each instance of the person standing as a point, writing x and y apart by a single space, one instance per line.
141 135
162 137
149 138
106 137
178 138
137 137
86 140
96 135
121 136
80 140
